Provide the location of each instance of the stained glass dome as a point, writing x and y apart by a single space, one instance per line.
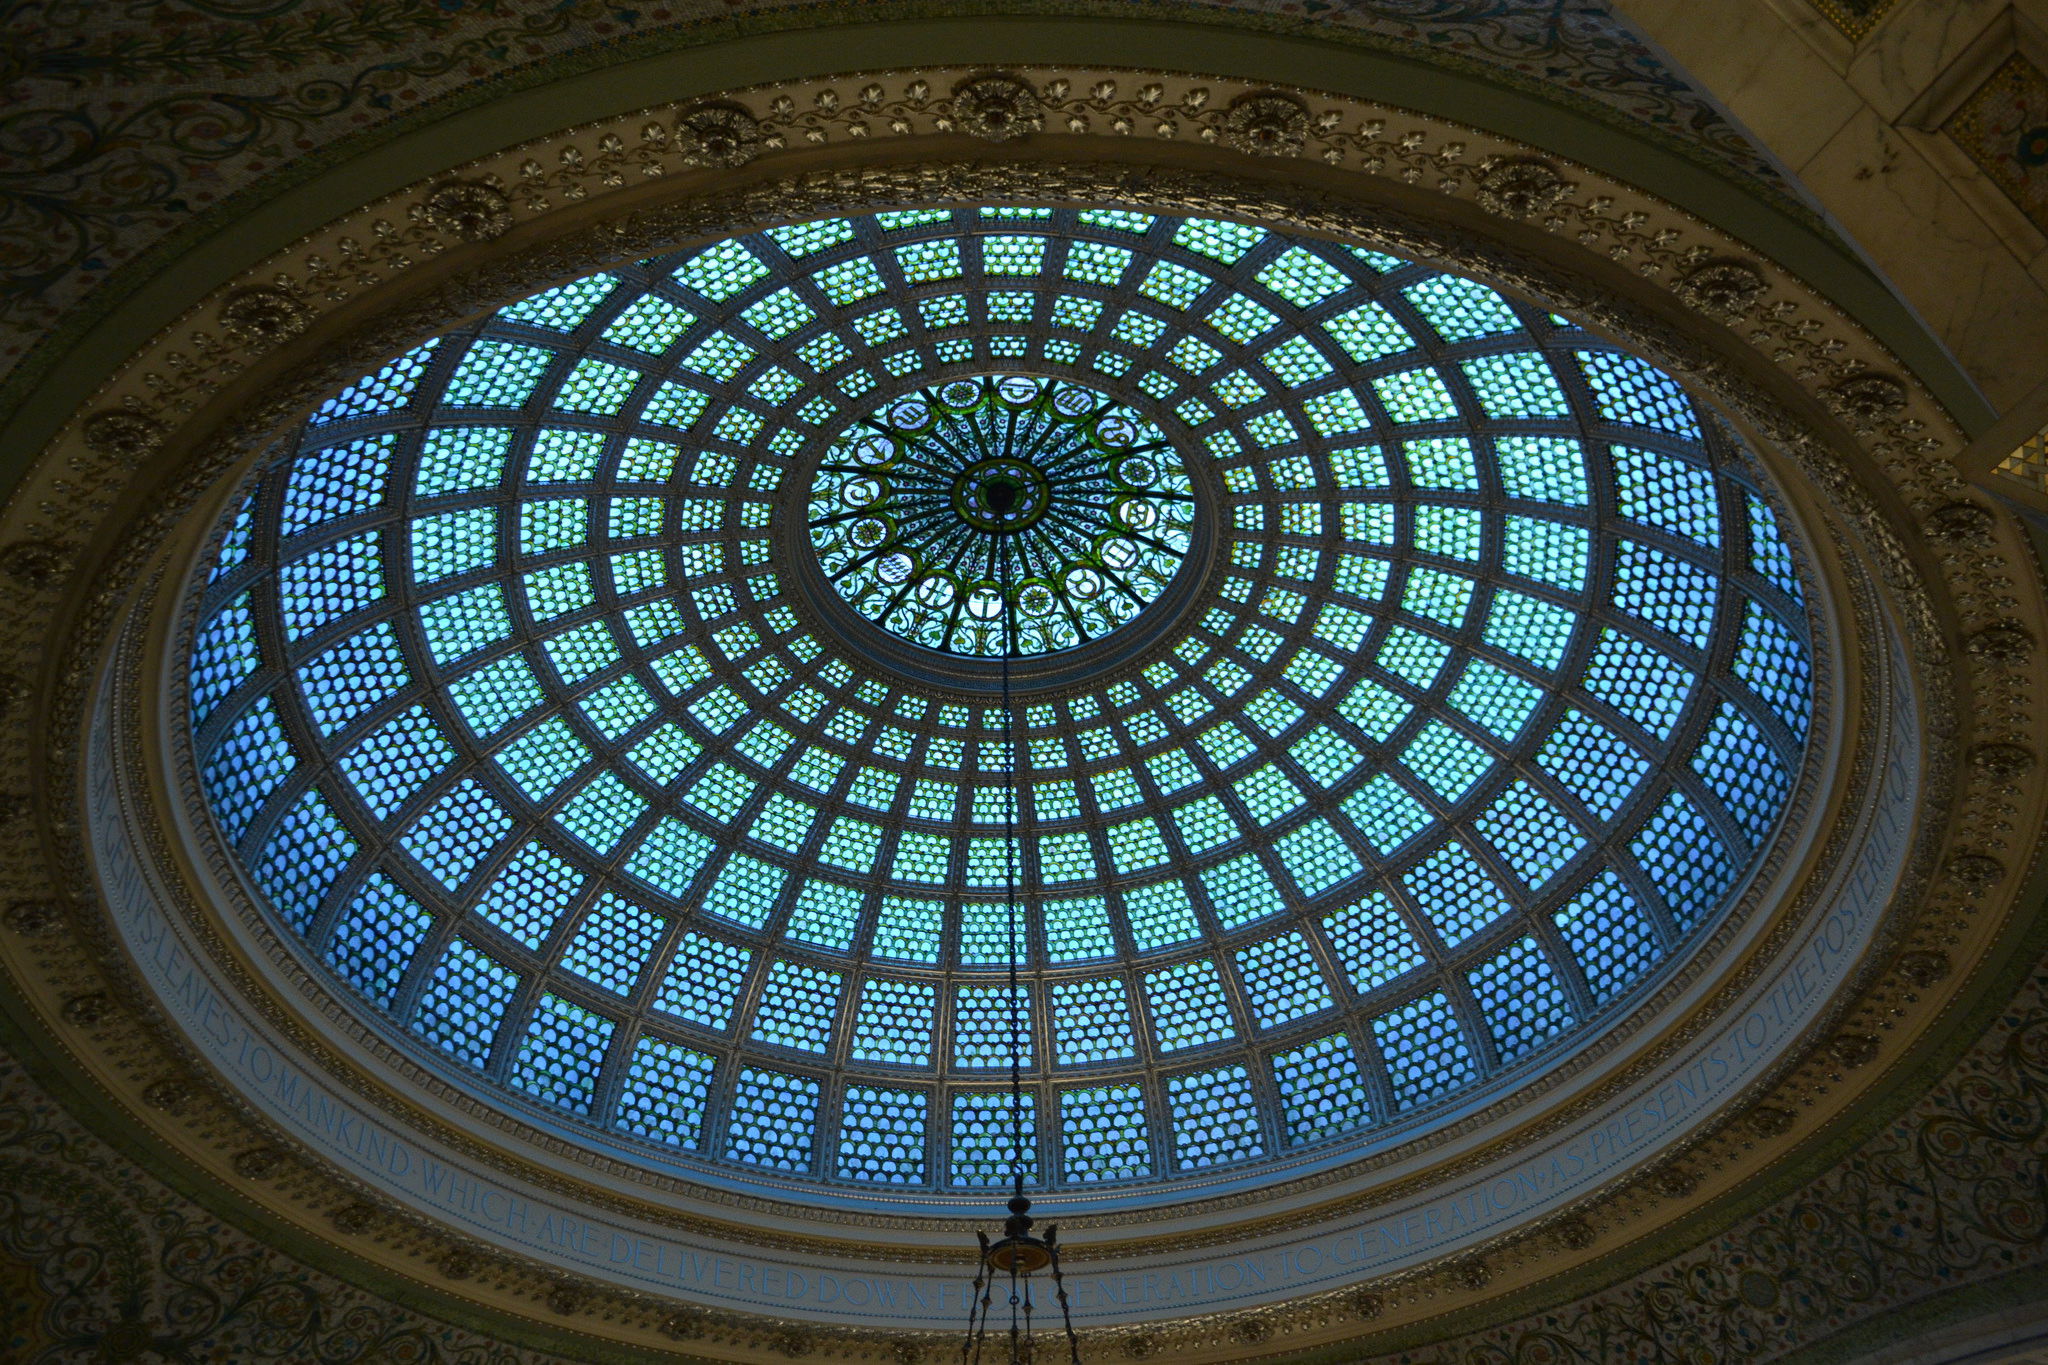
1450 679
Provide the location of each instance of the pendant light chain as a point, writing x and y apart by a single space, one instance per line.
1018 1253
1010 870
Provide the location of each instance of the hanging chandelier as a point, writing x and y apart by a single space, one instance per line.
1019 1254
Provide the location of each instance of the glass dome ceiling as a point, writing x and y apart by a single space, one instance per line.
512 697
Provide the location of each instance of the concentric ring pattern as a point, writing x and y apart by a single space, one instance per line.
507 699
1096 525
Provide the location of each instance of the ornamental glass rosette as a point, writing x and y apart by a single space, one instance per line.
1095 522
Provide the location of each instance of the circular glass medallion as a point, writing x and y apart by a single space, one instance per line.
931 512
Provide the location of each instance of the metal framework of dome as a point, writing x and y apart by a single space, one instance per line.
1477 682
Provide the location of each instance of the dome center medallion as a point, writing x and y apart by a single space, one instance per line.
932 512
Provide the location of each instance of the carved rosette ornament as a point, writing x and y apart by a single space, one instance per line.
88 1010
1851 1050
1723 289
1868 398
173 1095
1770 1121
1367 1305
1252 1331
262 314
1266 125
1961 523
1675 1182
686 1324
259 1163
795 1344
718 135
1574 1234
1522 187
1142 1345
125 436
461 1264
567 1300
35 564
33 919
1975 872
352 1220
468 209
995 108
2002 762
1922 968
2004 643
1474 1274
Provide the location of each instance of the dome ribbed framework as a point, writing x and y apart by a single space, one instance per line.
512 700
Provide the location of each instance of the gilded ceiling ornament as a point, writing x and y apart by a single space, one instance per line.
1922 968
2001 762
259 1163
995 107
567 1299
1852 1050
1367 1304
718 135
1675 1182
906 1352
33 563
1975 872
461 1264
1252 1330
87 1010
1723 288
1142 1345
123 435
1769 1121
795 1344
469 209
1868 397
262 313
1961 523
1266 124
1522 187
34 918
2004 643
172 1095
354 1219
1474 1274
1574 1234
687 1323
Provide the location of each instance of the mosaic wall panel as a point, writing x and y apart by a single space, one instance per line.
2004 128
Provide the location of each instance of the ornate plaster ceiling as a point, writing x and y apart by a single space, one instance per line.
137 131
